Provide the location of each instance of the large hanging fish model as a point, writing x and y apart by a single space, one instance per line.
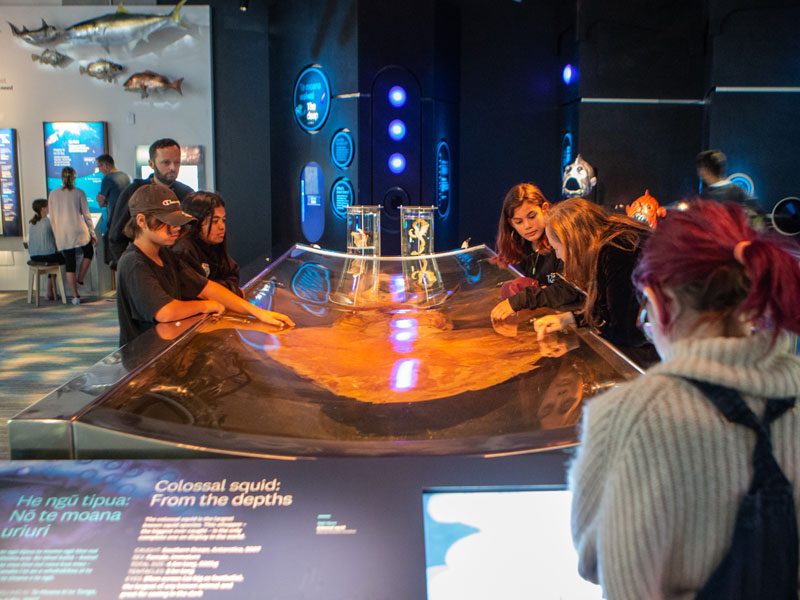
44 36
122 27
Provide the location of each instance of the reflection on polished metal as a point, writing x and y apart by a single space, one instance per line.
359 282
421 277
397 376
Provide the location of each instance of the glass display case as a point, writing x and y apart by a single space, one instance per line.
397 373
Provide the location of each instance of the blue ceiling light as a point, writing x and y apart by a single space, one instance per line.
568 74
397 163
397 96
397 130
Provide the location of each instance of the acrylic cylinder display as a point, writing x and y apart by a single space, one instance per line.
421 276
358 283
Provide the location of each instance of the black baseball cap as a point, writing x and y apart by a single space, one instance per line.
161 202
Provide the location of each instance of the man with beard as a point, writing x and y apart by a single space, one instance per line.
165 160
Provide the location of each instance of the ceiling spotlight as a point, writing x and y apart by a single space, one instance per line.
243 5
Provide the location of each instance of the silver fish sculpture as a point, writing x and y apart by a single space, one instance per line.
122 27
51 57
104 70
148 81
44 36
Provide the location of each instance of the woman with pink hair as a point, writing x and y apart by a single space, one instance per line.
687 479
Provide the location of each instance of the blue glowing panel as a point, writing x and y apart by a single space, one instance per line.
312 99
10 209
501 544
312 209
566 150
397 163
397 130
77 145
397 96
745 182
342 196
443 178
342 149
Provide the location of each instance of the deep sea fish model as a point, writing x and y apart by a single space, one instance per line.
51 57
122 27
147 82
104 70
44 36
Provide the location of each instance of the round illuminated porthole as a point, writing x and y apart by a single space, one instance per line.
312 99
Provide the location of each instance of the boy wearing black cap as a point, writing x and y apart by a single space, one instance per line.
152 283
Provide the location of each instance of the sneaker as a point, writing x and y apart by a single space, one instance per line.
76 300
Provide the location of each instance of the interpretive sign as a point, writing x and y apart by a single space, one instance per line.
227 528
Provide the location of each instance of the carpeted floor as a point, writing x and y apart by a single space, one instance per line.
43 348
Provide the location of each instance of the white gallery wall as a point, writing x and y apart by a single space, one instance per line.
31 93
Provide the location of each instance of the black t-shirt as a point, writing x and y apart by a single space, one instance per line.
144 288
211 261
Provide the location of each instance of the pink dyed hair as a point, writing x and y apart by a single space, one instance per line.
691 253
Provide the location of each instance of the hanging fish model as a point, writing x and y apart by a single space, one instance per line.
102 69
52 58
148 81
44 36
122 27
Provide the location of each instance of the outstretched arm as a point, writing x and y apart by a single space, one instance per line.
218 293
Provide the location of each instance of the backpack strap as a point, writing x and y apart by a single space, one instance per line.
729 402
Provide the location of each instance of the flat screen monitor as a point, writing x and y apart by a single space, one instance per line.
10 210
75 144
192 172
509 544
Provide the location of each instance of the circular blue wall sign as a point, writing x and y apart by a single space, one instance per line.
342 148
342 196
312 99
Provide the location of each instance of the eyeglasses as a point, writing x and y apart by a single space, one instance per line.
643 322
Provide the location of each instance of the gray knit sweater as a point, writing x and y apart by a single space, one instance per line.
658 478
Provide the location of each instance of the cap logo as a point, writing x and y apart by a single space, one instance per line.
168 202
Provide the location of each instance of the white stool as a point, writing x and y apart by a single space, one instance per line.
36 270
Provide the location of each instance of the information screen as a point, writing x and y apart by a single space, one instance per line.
75 144
11 221
502 544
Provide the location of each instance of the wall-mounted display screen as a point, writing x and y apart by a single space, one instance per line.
312 197
10 209
312 99
443 175
501 544
75 144
192 172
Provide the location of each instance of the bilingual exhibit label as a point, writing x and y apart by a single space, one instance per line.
138 529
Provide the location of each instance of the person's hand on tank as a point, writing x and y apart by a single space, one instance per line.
552 323
502 311
273 318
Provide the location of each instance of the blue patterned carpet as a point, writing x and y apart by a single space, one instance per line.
43 348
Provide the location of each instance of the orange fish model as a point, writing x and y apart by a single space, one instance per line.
148 81
646 210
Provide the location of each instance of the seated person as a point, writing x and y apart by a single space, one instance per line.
667 461
521 241
42 242
153 285
599 251
202 243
